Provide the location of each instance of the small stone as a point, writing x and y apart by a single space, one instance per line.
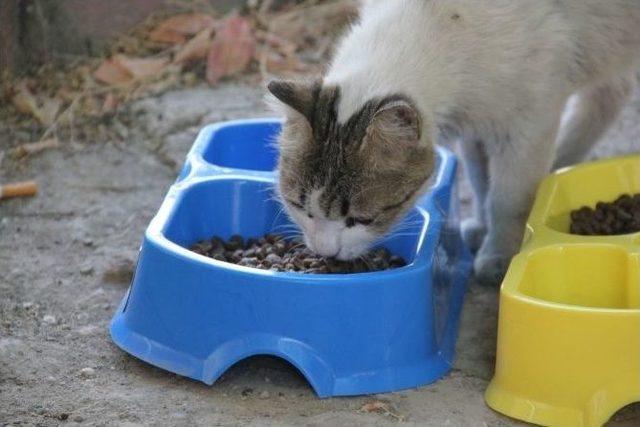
264 394
120 271
51 320
87 242
86 270
27 305
78 418
63 416
87 373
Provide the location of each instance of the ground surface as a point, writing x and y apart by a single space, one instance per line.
65 260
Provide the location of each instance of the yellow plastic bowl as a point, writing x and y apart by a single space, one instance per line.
569 325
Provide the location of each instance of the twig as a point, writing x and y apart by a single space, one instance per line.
35 147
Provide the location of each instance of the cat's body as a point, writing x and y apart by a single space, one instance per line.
494 74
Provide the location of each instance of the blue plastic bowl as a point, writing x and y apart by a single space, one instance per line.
346 333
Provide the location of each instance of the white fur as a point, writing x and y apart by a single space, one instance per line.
497 76
328 237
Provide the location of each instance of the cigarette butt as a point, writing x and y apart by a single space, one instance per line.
18 189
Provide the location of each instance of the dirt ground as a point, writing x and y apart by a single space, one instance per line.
65 263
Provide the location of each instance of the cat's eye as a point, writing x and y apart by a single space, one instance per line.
298 206
352 221
295 204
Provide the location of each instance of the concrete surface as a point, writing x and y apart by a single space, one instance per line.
65 262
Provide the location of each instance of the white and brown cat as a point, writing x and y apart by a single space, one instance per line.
356 148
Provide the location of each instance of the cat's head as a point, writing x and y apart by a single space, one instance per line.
346 182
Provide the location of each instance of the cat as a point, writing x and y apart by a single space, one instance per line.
357 144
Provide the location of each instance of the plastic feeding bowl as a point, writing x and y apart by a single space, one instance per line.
346 333
569 324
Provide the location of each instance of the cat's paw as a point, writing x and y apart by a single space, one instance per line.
473 233
490 268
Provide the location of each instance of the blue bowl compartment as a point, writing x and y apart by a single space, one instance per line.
347 334
223 207
247 146
244 146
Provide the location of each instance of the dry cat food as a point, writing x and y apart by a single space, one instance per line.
274 252
618 217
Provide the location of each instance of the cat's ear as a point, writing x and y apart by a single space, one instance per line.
392 137
397 121
297 95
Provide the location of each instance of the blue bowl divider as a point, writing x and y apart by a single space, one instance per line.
347 334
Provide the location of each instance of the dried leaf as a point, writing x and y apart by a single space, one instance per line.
121 69
313 21
175 29
49 111
24 100
167 36
110 103
277 43
90 106
231 50
277 64
169 79
196 48
382 408
45 112
374 406
112 72
141 67
35 147
66 94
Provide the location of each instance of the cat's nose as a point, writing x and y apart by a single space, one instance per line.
326 246
323 237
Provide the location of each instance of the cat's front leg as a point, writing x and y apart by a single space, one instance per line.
515 169
476 167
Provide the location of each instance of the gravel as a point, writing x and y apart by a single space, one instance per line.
87 373
49 319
